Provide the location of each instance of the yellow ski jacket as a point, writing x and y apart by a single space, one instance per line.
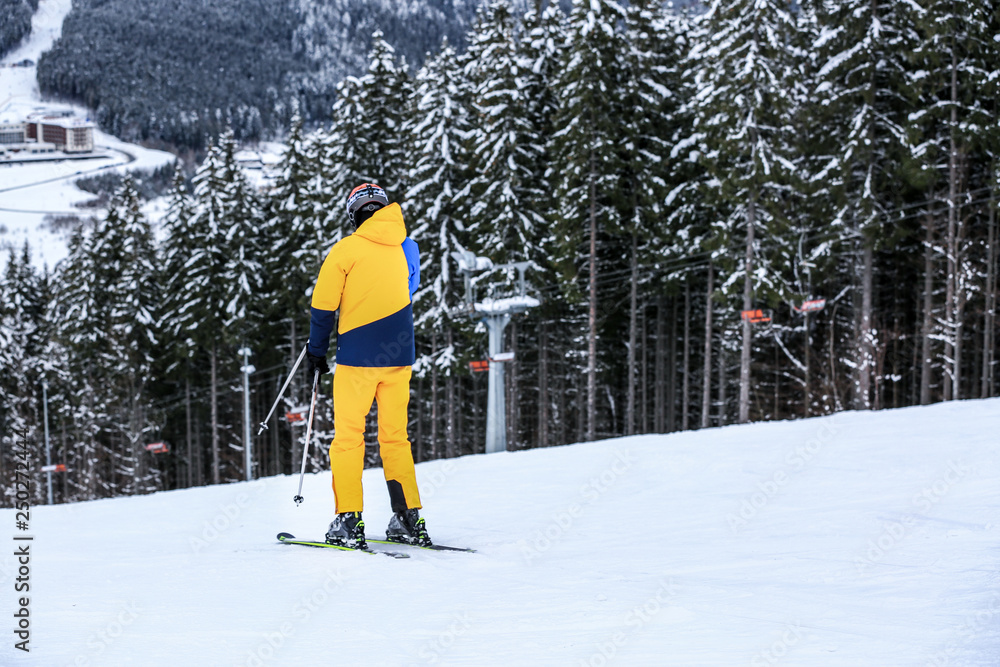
370 276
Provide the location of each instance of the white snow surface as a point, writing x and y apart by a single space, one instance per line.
31 192
855 539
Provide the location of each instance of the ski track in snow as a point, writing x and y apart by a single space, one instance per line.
854 539
23 210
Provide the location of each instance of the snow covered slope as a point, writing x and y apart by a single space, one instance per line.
856 539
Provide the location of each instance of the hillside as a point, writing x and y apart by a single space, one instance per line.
15 22
181 70
856 539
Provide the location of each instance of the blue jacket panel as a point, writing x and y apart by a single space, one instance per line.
412 252
385 342
320 328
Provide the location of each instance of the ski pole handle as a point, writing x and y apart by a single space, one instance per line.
263 424
305 446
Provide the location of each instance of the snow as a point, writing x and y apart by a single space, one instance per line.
261 163
863 538
31 192
469 262
506 305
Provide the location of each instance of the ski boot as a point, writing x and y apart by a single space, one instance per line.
408 528
347 530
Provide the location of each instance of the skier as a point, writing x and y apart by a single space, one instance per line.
370 276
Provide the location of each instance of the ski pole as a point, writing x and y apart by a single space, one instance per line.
305 446
263 424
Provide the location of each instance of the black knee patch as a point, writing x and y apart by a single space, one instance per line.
396 495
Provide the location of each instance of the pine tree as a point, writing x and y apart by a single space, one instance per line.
586 150
864 81
124 251
741 116
230 261
386 92
241 268
175 276
342 151
203 312
23 350
178 349
955 68
503 192
437 131
366 142
81 314
503 224
108 318
806 256
649 92
540 51
293 254
690 234
291 246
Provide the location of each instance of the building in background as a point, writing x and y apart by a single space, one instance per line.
67 133
12 131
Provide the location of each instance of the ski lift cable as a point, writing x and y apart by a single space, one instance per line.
685 263
260 377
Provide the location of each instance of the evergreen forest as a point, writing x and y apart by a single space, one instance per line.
761 210
179 71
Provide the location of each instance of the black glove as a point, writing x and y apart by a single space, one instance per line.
317 363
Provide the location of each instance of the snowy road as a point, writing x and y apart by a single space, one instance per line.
80 173
128 159
857 539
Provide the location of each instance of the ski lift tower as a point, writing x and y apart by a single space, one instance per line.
496 314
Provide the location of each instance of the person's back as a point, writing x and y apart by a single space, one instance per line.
366 275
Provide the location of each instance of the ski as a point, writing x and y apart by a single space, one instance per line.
432 547
288 538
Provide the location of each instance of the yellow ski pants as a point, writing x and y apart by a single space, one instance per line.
354 388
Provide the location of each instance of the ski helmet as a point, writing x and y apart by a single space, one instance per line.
363 201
